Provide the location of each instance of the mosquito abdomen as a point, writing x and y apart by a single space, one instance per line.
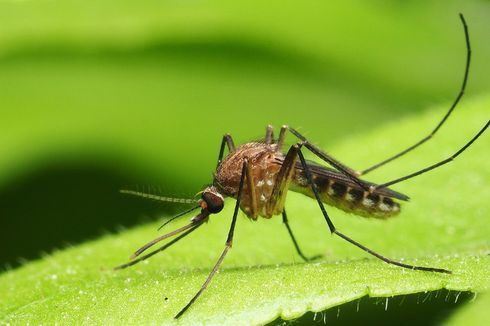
346 197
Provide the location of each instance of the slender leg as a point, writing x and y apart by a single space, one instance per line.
280 140
346 171
448 113
348 239
228 243
269 135
278 195
162 248
353 175
275 205
228 141
285 221
433 166
251 191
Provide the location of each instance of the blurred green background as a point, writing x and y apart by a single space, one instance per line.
100 95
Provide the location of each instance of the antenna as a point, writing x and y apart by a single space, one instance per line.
158 198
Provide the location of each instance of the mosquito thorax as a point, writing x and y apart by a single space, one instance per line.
212 201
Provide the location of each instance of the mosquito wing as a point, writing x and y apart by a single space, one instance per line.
322 171
338 190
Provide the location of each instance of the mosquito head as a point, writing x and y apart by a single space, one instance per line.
211 200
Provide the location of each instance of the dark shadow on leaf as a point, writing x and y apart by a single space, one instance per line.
431 308
67 204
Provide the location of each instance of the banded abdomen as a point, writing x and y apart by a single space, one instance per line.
338 190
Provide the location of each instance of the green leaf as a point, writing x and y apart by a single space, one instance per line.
89 82
445 225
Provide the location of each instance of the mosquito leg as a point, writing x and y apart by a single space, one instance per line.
251 192
228 141
446 116
162 248
350 173
306 259
278 195
348 239
433 166
282 135
269 135
275 205
228 243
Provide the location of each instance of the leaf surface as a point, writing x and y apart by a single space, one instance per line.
445 225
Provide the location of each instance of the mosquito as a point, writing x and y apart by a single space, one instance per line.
259 174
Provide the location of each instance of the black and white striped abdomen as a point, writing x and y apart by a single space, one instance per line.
348 196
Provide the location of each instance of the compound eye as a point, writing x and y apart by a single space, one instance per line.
214 202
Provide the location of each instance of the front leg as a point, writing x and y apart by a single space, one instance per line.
278 196
228 141
228 243
269 135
